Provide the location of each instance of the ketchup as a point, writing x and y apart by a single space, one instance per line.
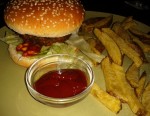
29 49
61 83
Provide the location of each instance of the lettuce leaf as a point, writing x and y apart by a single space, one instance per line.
75 46
9 37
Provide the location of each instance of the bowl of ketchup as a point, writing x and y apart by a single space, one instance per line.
59 79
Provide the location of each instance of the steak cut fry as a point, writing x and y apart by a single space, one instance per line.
118 29
113 86
120 85
128 38
133 101
132 75
128 22
139 33
105 22
145 47
140 89
125 48
109 101
96 22
146 99
111 47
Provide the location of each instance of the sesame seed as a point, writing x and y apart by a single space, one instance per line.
48 26
22 17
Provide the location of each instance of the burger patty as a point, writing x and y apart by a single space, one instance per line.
43 40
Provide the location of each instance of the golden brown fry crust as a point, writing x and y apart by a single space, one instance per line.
109 101
132 75
111 47
125 48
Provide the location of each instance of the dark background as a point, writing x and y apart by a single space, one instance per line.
111 6
120 7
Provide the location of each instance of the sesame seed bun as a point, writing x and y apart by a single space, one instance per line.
44 18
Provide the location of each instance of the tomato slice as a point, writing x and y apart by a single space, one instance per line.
28 48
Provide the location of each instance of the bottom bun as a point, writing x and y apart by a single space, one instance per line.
18 58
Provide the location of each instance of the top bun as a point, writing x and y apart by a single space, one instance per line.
44 18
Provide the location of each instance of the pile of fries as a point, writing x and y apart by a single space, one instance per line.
121 39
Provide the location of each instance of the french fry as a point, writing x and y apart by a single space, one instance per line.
133 101
97 22
132 75
106 22
109 101
113 86
139 33
110 45
119 29
139 50
145 41
146 99
96 45
145 47
87 31
128 22
140 89
124 34
142 36
92 43
127 19
115 77
125 48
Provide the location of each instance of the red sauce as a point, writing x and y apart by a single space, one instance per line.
28 48
61 83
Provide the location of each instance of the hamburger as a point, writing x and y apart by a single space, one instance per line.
40 24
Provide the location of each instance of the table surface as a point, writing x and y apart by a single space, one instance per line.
118 7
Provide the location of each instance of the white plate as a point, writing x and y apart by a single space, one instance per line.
16 101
